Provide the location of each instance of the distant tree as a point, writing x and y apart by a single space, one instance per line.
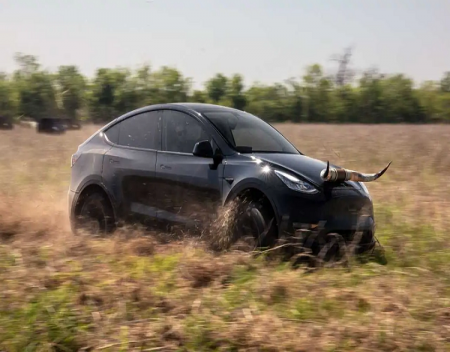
145 86
35 88
125 95
400 102
236 92
429 98
317 92
28 64
344 74
102 95
268 101
37 97
170 85
296 100
445 82
199 97
216 87
343 105
71 89
373 98
370 104
7 97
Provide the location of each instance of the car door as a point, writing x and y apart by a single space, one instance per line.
129 166
190 189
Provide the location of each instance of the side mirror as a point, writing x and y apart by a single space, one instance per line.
203 149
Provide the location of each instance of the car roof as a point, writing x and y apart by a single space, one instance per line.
195 107
203 107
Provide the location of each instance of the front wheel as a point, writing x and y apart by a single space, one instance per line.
255 219
96 216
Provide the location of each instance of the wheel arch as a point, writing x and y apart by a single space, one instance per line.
255 189
91 188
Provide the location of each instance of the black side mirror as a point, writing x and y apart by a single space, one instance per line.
203 149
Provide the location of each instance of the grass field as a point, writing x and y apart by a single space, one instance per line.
132 293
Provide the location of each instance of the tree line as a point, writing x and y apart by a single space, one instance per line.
373 97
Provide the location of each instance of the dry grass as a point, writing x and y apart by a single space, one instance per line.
65 293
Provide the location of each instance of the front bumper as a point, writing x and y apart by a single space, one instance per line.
347 212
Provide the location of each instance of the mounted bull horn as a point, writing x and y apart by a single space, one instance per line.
340 175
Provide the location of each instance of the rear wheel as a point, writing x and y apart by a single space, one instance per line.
95 215
255 221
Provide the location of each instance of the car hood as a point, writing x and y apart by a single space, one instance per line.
302 165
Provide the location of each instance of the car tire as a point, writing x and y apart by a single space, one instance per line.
96 216
255 218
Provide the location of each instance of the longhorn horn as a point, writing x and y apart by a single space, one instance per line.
341 174
324 173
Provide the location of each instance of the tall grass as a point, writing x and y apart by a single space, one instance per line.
131 292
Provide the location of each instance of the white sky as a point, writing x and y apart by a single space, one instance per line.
265 40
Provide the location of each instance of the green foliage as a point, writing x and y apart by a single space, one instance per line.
373 98
46 320
445 82
71 92
7 98
216 87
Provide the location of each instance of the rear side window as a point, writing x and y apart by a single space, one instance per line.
181 132
113 133
141 131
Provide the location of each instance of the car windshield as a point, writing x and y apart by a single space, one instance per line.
248 133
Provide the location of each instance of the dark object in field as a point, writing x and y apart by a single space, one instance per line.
180 164
71 124
51 125
6 123
341 174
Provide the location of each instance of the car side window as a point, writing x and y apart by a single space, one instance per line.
181 132
112 133
258 139
141 131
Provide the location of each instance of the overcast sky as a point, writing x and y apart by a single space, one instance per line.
265 40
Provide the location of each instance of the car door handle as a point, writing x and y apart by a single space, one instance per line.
112 161
165 167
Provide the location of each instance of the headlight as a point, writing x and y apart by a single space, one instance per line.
295 184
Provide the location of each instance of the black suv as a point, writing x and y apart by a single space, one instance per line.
6 123
51 125
179 163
